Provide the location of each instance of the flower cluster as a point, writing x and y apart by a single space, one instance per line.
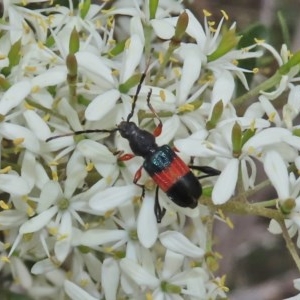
73 222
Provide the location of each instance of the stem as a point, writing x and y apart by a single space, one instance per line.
46 110
244 208
255 91
289 244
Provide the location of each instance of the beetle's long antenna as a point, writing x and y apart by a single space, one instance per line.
138 89
82 132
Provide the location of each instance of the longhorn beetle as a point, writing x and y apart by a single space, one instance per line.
165 167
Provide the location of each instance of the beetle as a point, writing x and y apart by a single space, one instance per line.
171 174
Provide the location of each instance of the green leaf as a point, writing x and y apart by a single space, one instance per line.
228 42
13 57
84 8
129 83
153 4
74 41
119 48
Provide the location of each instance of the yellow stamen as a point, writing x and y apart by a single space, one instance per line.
35 89
160 57
186 107
46 117
127 43
4 205
28 106
149 296
109 213
5 170
206 13
18 141
30 212
162 95
272 116
54 176
5 259
52 230
30 68
252 125
89 167
258 41
225 15
62 237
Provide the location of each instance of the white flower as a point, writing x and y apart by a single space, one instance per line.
287 188
218 145
57 210
287 79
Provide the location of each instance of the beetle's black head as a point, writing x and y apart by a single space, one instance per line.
142 142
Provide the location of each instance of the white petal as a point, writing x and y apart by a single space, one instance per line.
75 292
70 113
43 266
276 170
76 172
163 29
96 152
132 57
194 147
95 68
12 218
138 274
223 88
50 77
93 265
178 243
225 184
16 31
293 99
64 235
112 197
21 272
147 230
136 28
38 222
95 237
269 109
51 192
170 128
28 172
37 125
266 137
172 264
274 227
292 140
279 90
195 30
14 96
110 278
13 131
190 70
102 105
14 184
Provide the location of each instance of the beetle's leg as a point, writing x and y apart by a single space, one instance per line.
126 156
158 129
209 171
158 211
136 178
